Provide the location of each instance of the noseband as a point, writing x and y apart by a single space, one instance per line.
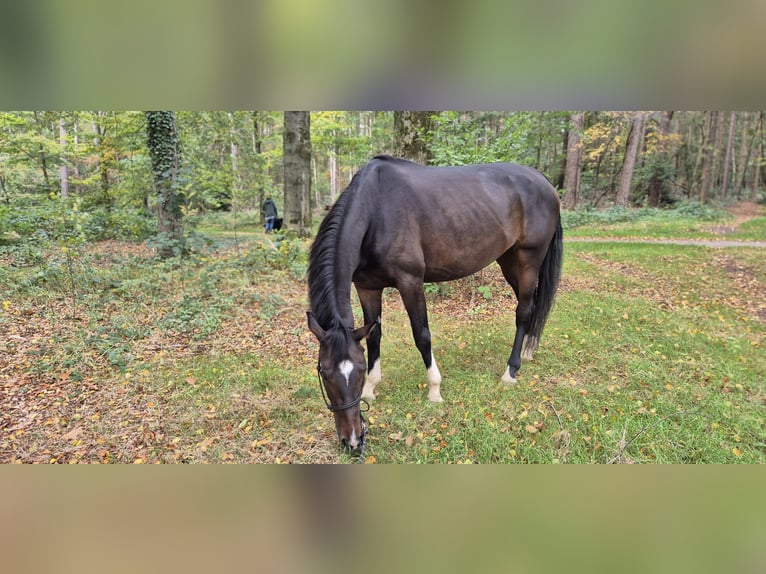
348 405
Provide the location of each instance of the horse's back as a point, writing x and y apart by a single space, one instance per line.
494 198
453 221
494 181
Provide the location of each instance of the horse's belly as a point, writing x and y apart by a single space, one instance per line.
456 269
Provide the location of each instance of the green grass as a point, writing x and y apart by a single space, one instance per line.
754 229
675 386
618 378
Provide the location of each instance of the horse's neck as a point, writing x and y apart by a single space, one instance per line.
347 260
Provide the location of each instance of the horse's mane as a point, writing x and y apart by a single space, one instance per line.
322 272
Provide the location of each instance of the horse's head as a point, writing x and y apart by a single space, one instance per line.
342 370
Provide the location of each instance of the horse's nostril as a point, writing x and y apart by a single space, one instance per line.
351 444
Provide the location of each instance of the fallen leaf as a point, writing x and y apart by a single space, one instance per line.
72 434
531 429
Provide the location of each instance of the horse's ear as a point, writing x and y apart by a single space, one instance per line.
364 332
315 327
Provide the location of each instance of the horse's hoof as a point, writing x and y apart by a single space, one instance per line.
507 378
368 394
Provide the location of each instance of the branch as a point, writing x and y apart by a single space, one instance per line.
555 412
646 428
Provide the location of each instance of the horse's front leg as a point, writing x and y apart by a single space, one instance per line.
372 306
415 302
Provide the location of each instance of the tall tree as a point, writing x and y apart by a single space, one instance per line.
259 161
729 154
573 161
760 156
635 134
40 120
659 160
708 157
105 154
165 155
743 155
297 168
412 131
64 168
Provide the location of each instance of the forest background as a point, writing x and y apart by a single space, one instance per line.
82 175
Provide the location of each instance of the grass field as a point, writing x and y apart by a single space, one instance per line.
652 354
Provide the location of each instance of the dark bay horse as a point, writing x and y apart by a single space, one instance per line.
399 224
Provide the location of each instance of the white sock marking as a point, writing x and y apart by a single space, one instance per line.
345 368
373 378
507 378
433 374
434 382
529 347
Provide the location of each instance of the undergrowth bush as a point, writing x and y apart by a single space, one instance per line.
612 215
64 221
288 254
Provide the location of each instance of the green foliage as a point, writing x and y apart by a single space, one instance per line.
519 137
485 291
437 289
285 254
30 225
693 210
461 139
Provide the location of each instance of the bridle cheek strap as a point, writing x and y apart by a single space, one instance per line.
348 405
329 405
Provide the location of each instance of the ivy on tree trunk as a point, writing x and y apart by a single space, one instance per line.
165 155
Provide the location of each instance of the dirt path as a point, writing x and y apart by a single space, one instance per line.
715 243
741 212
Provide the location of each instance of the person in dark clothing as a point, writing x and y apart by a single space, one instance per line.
269 213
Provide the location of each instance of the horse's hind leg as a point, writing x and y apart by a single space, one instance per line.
372 306
520 268
415 302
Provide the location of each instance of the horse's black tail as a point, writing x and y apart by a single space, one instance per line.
547 285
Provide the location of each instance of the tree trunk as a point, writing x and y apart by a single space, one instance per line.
76 163
165 155
297 169
709 158
629 159
659 176
728 155
744 152
43 159
333 176
235 175
757 171
561 163
573 163
63 169
103 162
259 162
412 131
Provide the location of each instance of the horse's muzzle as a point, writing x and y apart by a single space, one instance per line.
352 442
